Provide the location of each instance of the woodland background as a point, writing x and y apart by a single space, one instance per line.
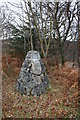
53 29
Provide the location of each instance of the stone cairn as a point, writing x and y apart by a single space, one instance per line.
32 79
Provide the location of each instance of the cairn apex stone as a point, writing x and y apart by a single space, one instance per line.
32 79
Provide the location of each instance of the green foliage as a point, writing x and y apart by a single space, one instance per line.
17 41
17 46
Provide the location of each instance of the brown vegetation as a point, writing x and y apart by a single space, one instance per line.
60 100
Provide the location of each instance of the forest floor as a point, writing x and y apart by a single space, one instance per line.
60 100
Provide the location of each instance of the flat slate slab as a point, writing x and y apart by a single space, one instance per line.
32 79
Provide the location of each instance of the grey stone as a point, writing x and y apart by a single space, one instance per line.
21 88
43 89
37 80
32 78
28 91
36 67
36 91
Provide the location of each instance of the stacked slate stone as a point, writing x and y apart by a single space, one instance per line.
32 79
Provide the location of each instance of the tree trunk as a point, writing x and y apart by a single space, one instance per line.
24 43
31 38
62 56
62 53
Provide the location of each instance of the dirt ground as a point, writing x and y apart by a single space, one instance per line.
60 100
